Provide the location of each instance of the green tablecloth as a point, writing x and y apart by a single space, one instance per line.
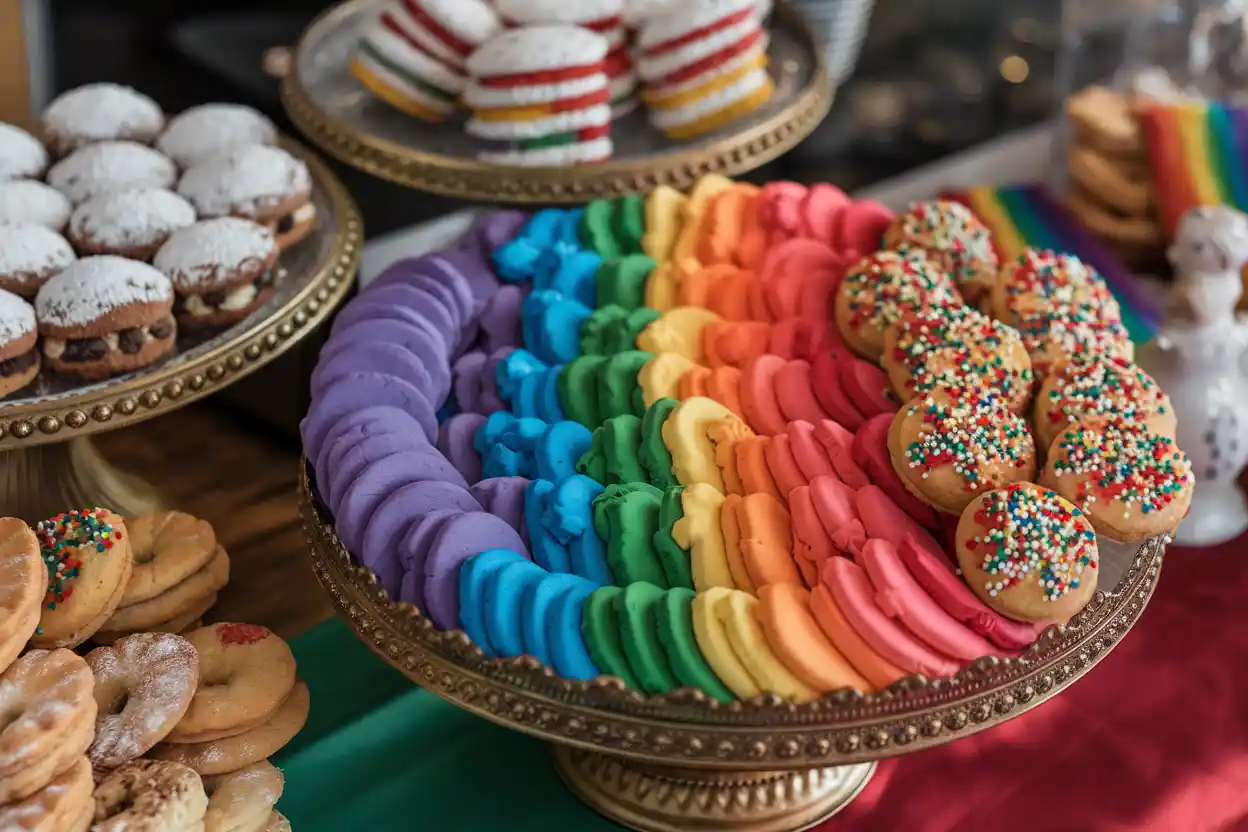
379 753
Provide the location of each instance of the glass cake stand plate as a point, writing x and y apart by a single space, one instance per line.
684 761
332 109
47 460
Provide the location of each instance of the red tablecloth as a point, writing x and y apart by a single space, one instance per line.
1155 737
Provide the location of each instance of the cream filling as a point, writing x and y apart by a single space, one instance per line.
237 299
304 212
54 348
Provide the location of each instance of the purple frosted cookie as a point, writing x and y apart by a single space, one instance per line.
503 497
381 478
425 303
345 461
414 551
356 391
408 274
466 377
489 399
497 227
455 442
500 319
426 272
472 267
459 539
380 309
371 356
357 425
390 522
429 350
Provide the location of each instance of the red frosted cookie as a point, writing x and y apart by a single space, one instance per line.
870 452
834 503
795 393
838 442
782 463
883 519
826 379
876 669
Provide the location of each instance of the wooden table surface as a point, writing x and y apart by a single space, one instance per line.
209 462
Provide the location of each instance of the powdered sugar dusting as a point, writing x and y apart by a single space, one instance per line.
244 181
95 286
24 200
99 112
197 133
204 252
131 218
111 166
29 249
22 156
17 317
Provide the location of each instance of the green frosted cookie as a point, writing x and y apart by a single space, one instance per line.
630 222
593 463
596 229
618 390
623 281
622 333
620 443
599 330
578 389
655 457
601 628
674 559
674 619
639 635
626 516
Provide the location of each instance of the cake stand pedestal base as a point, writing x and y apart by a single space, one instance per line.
657 798
44 480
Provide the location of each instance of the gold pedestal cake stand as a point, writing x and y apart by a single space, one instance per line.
685 762
328 106
47 459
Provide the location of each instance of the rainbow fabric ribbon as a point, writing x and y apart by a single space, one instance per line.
1028 216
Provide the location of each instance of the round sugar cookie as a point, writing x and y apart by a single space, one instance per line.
794 635
414 550
88 559
536 604
98 113
23 582
877 290
25 200
639 636
738 614
601 628
712 640
674 620
954 239
1098 387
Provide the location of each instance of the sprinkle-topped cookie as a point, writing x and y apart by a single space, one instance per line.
248 181
971 432
29 255
878 290
63 539
110 166
1101 388
196 134
98 113
22 156
24 200
94 286
954 238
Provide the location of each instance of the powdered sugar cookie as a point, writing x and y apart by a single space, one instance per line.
1095 388
133 223
150 794
143 686
23 580
242 799
19 355
64 804
105 315
24 200
264 184
195 134
100 113
110 166
22 156
954 239
29 255
222 270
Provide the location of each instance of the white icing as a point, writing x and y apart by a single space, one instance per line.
304 213
657 67
17 317
537 48
95 286
718 100
637 12
558 11
681 18
728 67
474 21
111 166
426 39
99 112
247 181
24 200
424 66
22 156
489 97
622 85
557 124
53 348
27 248
195 257
124 219
199 132
597 150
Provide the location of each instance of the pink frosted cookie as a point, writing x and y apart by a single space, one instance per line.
222 270
838 443
860 226
826 378
102 168
834 504
29 256
132 223
870 452
823 203
100 113
195 134
882 519
24 200
21 154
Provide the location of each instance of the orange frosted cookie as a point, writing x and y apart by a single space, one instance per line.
797 640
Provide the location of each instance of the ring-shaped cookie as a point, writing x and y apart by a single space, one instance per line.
65 803
23 582
147 796
168 547
242 800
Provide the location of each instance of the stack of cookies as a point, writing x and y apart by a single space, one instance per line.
702 65
1111 188
540 97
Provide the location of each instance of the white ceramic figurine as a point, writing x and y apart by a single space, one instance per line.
1198 359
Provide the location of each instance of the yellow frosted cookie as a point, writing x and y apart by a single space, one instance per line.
712 640
664 216
678 330
661 288
698 533
736 611
691 434
660 377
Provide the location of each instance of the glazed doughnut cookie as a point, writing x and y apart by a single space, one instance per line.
252 746
877 290
50 717
250 673
30 255
105 315
22 156
98 113
175 602
1028 553
195 134
23 580
132 223
948 447
27 201
168 548
954 239
87 553
222 270
64 804
19 353
255 182
242 800
111 166
1131 483
149 794
1089 387
143 686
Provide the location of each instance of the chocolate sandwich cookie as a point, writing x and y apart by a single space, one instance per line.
19 359
25 200
100 113
196 134
264 184
105 315
222 270
132 224
22 156
102 168
29 256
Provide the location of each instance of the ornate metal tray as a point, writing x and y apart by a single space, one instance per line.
683 760
336 113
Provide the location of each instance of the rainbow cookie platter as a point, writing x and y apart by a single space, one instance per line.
720 440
